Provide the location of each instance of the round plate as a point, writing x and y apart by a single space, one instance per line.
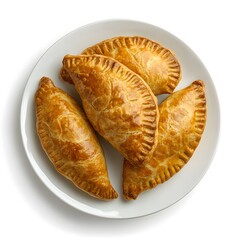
148 202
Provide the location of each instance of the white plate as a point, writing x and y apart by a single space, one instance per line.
148 202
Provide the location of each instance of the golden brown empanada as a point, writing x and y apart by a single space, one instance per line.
181 124
69 141
118 103
157 65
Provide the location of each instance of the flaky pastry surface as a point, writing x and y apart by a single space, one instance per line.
182 122
157 65
118 103
70 142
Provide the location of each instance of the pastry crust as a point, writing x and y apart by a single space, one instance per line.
70 142
118 103
182 122
157 65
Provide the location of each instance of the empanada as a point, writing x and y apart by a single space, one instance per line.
118 103
181 124
70 142
157 65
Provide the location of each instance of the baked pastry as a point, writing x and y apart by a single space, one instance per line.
181 124
157 65
69 141
118 103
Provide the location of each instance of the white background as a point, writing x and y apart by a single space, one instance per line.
29 210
